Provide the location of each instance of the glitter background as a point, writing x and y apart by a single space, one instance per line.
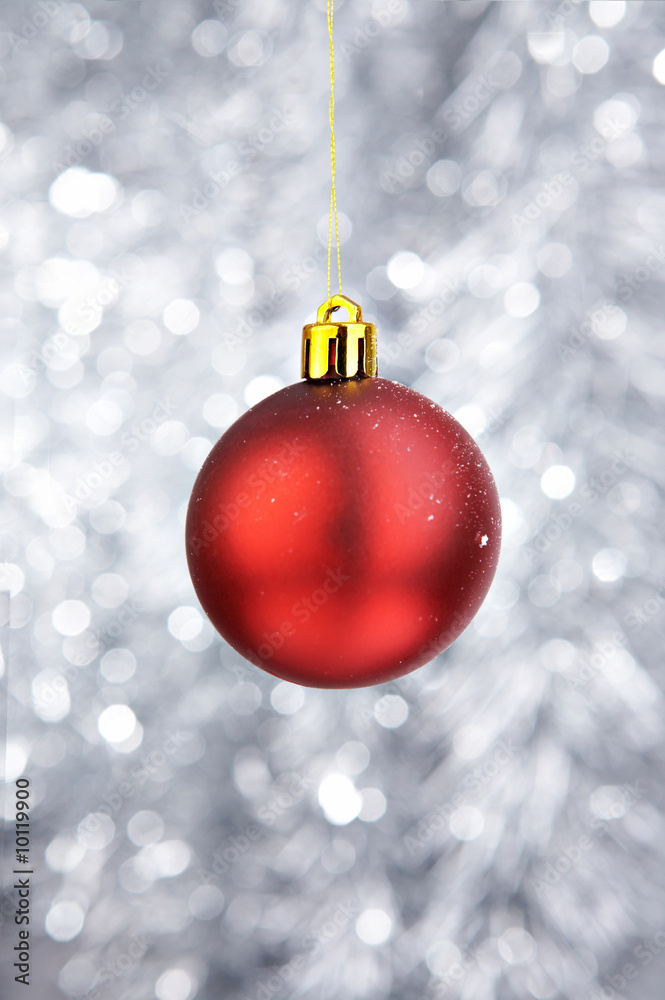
491 826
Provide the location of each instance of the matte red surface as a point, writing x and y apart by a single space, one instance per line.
341 534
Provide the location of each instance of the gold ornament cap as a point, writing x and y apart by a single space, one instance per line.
339 350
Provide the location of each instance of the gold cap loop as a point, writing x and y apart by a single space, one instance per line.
339 350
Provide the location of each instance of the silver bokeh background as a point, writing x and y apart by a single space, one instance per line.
491 826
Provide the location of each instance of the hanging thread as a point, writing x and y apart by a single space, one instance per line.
333 193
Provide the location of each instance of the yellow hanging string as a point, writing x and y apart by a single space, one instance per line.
333 192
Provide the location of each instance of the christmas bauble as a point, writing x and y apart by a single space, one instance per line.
343 532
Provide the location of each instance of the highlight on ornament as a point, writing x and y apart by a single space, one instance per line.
345 530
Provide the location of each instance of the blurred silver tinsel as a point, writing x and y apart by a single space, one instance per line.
492 826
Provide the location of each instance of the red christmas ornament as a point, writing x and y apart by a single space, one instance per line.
346 529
